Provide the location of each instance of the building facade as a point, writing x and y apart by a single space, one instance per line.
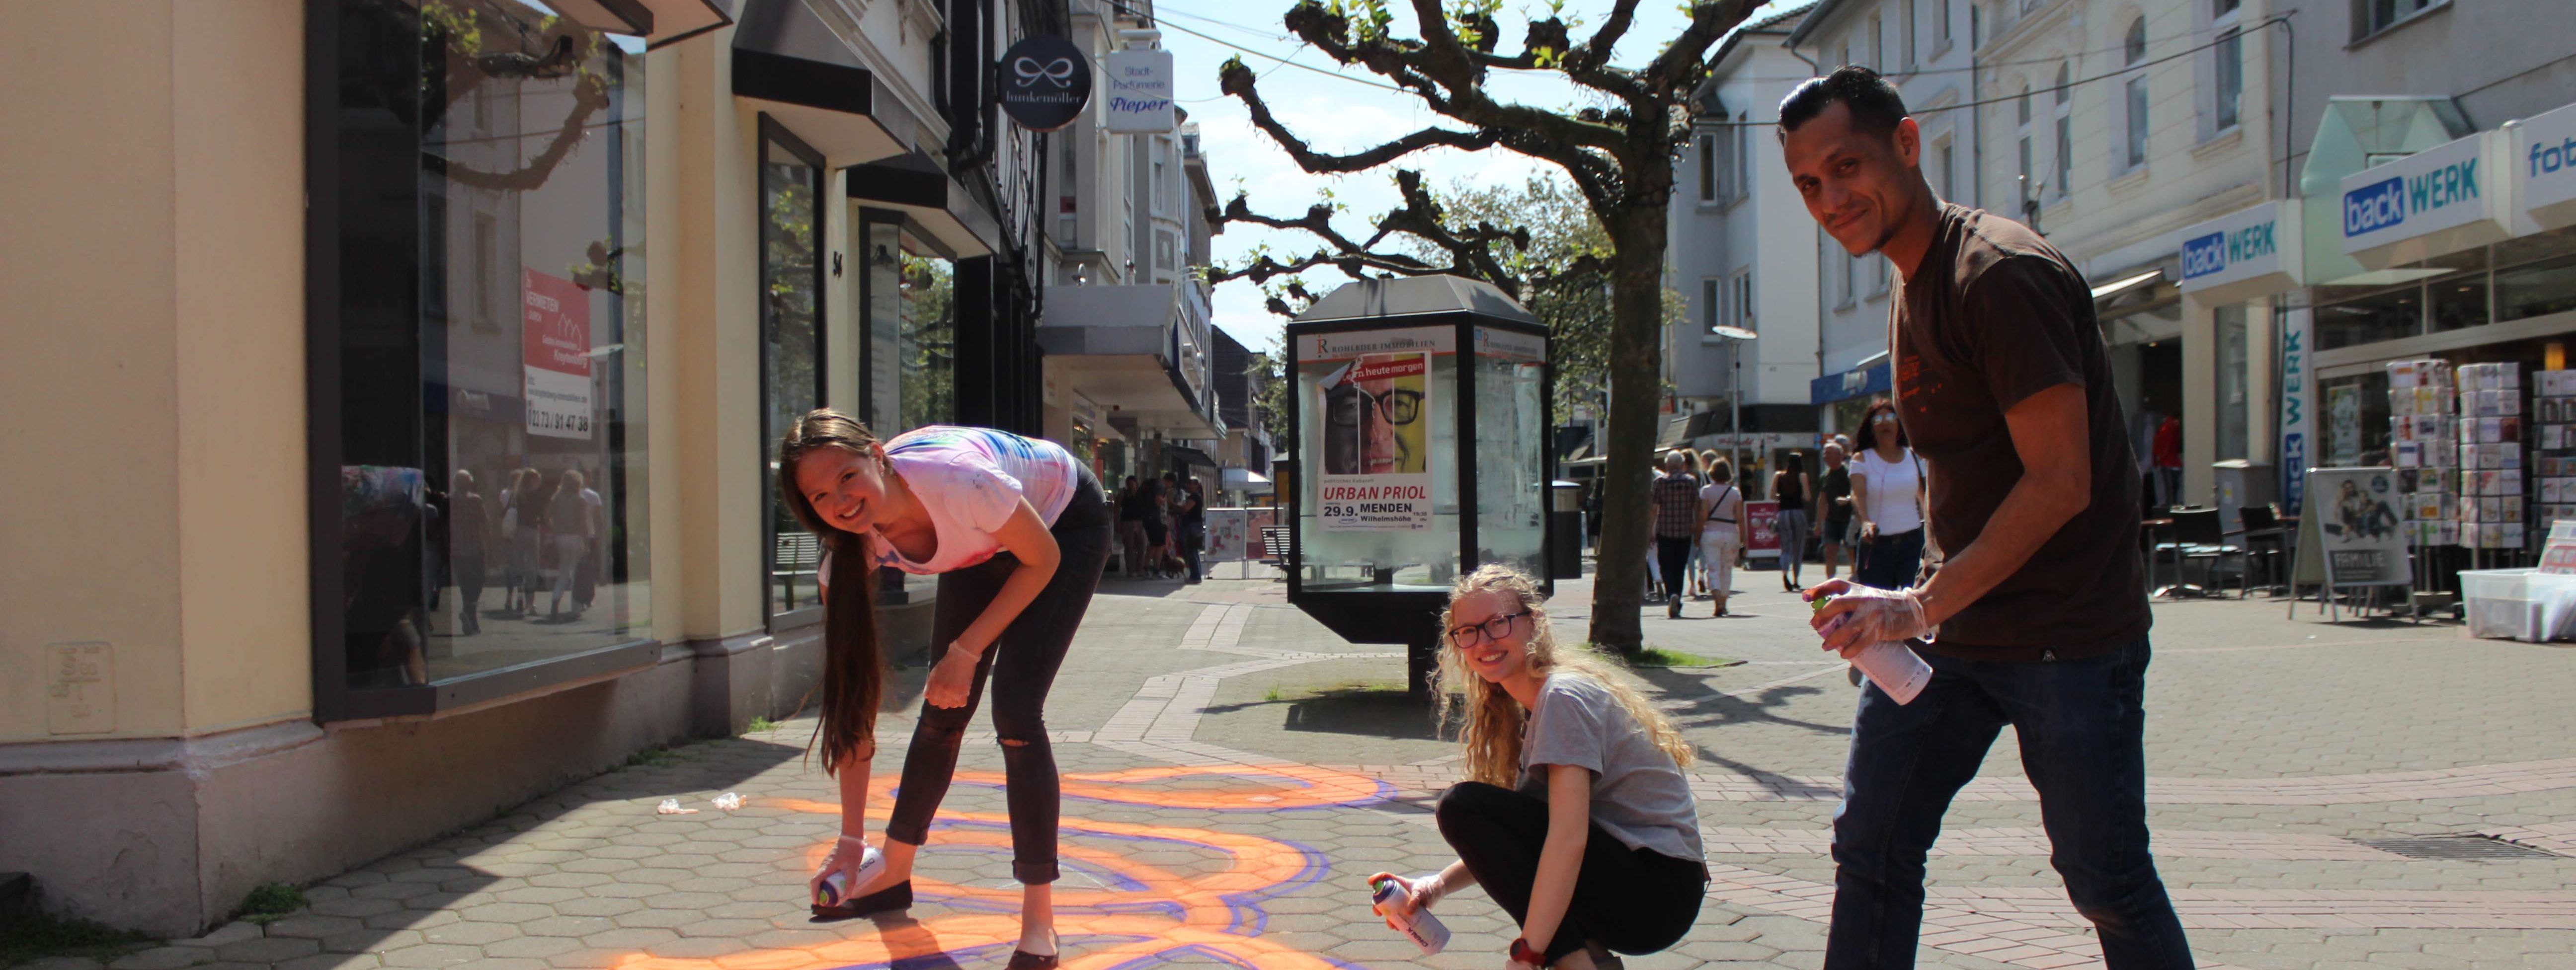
448 346
1735 201
2428 147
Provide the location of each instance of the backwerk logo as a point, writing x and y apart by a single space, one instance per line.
2205 255
2374 207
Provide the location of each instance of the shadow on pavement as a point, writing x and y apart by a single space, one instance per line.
1364 711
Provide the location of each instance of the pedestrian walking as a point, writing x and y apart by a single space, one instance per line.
1887 487
570 525
1193 523
1676 497
1790 486
1691 567
1833 498
1133 506
469 530
1575 815
2004 386
1721 512
1017 532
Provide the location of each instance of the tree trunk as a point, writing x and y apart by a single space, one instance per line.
1636 391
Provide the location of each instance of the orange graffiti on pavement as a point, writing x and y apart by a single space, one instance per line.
1145 912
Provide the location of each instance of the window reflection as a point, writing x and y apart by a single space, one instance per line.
504 524
791 310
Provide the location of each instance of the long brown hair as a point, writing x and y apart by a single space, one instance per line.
853 659
1489 720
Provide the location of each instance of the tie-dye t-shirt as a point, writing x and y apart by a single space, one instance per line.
970 480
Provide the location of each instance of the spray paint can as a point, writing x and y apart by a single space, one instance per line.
1898 671
1424 929
835 888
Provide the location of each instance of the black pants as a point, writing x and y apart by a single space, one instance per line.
1629 900
1193 539
1890 561
1022 665
1673 557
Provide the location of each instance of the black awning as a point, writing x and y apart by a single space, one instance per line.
1189 456
659 22
795 68
915 184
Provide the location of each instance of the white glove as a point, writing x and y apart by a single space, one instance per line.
1853 616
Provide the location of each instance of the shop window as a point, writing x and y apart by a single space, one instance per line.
2457 303
478 411
791 327
2356 419
2383 316
2536 289
2234 412
2133 50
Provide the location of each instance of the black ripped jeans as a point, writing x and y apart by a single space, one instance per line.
1021 664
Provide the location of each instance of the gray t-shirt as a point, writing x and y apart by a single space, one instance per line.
1638 794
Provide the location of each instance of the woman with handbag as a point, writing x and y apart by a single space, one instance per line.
1887 497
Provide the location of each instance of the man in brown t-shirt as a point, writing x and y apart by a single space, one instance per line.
2038 618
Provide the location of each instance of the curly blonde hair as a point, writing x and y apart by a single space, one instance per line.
1490 721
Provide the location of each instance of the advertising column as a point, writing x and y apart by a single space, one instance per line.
2297 409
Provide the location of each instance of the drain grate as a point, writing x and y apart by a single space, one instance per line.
2457 847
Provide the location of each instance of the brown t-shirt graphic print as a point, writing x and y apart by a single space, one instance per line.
1991 316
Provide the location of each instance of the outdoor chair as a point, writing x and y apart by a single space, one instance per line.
2200 535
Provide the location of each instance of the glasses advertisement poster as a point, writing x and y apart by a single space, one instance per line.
1375 475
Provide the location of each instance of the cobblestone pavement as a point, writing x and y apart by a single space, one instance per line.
2323 796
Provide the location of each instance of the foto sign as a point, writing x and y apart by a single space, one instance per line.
2437 201
1045 82
2249 253
1140 91
2543 160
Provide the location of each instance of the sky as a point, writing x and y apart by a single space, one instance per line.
1341 112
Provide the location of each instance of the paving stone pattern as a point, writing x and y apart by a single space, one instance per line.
1233 772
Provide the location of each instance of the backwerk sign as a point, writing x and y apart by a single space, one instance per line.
2242 255
2440 200
2544 167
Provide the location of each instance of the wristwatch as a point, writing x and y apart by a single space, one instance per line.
1523 955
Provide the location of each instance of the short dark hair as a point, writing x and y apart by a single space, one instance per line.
1874 104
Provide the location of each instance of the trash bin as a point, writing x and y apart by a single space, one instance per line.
1565 530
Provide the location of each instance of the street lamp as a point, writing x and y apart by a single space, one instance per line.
1735 393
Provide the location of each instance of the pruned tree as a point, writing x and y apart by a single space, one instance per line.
1618 155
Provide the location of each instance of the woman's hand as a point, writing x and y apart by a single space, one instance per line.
845 858
1418 894
1868 530
952 677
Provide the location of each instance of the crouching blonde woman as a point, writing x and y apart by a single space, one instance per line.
1575 817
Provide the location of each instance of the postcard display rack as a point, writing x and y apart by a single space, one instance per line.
2490 435
2552 425
2423 447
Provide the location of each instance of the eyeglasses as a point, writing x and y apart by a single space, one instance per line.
1396 407
1494 629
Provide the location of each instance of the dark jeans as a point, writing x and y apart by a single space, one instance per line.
1890 561
1673 557
1022 665
2081 726
1193 539
1630 900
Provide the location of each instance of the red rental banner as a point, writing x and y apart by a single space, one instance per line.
1759 519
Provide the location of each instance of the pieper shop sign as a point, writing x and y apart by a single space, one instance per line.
1140 91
